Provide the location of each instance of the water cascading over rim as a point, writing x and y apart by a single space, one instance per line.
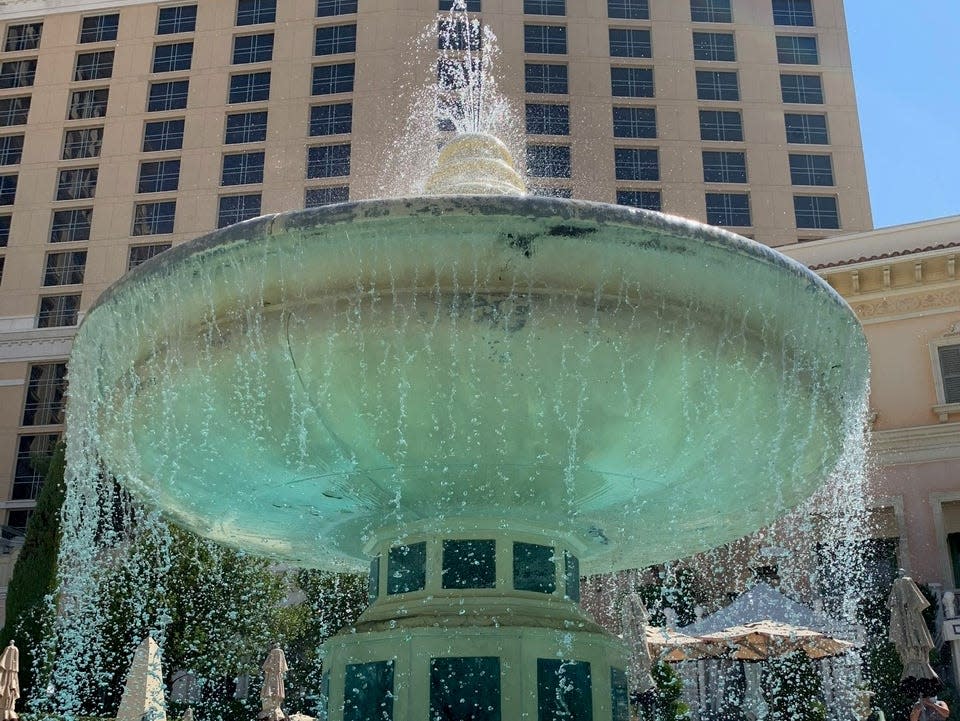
465 381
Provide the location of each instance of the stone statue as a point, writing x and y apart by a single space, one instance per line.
273 692
9 682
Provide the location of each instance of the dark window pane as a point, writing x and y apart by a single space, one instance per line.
325 8
793 12
465 688
330 79
646 199
8 189
469 564
548 119
471 6
99 28
728 209
797 49
534 568
564 691
249 87
801 89
548 161
77 183
82 143
549 191
368 692
630 43
168 96
46 388
328 161
5 230
94 66
254 12
175 56
724 125
407 568
335 39
159 177
17 520
806 128
571 576
715 85
140 254
86 104
14 111
180 19
545 78
71 225
714 46
631 122
810 169
154 218
246 127
23 37
58 310
724 167
949 356
631 82
629 9
253 48
236 208
11 148
545 7
163 135
331 119
619 698
242 168
550 39
373 581
315 197
33 455
815 211
17 73
65 268
636 164
710 11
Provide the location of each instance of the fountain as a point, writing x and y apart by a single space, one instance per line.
478 396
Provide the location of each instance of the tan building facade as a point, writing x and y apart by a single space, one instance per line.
128 127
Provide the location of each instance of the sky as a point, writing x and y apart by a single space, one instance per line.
906 67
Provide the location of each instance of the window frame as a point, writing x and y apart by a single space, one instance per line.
336 6
329 160
819 177
10 117
72 227
718 86
633 43
243 168
23 43
722 126
172 98
83 143
816 211
70 272
180 57
790 50
802 92
341 41
18 73
630 82
711 12
245 88
554 119
158 176
334 81
242 212
69 313
552 39
166 139
649 114
725 166
806 131
727 195
247 133
565 165
628 9
105 28
709 50
162 217
529 81
177 20
90 171
621 193
337 122
255 12
256 52
792 16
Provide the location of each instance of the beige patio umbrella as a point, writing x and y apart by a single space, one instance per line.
667 644
910 635
9 682
768 639
273 690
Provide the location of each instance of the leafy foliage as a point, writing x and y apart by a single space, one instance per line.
665 702
791 687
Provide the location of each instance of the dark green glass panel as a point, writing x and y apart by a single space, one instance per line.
373 583
368 692
465 689
571 576
534 568
563 690
469 564
323 707
619 698
407 568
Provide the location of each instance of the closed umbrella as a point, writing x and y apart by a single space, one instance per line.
9 681
769 639
634 619
909 633
273 691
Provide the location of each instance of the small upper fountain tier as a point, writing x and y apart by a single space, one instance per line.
311 384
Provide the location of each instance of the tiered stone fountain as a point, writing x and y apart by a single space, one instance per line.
479 397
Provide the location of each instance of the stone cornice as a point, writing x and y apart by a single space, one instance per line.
37 344
15 9
917 444
906 303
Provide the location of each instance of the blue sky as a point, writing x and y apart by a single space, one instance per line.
906 66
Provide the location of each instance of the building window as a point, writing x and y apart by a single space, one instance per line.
253 48
140 254
77 183
46 387
806 169
326 8
315 197
469 564
332 79
171 57
545 79
619 695
17 73
72 225
710 11
793 12
368 691
170 95
335 39
631 82
17 519
8 189
58 310
242 168
332 119
328 161
465 687
159 176
87 104
630 43
163 135
11 148
94 66
571 577
548 161
716 85
5 230
154 219
65 268
255 12
550 191
728 209
646 199
797 50
631 122
235 208
456 33
471 6
548 119
949 358
246 127
14 111
23 37
816 211
714 46
801 89
33 455
564 690
82 143
249 87
724 166
636 164
407 568
629 9
534 568
722 125
806 128
99 28
545 7
180 19
547 39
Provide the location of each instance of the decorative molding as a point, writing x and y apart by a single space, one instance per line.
39 344
913 303
12 382
918 444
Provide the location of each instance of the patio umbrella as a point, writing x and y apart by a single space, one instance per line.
273 690
769 639
673 646
9 681
910 635
634 619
